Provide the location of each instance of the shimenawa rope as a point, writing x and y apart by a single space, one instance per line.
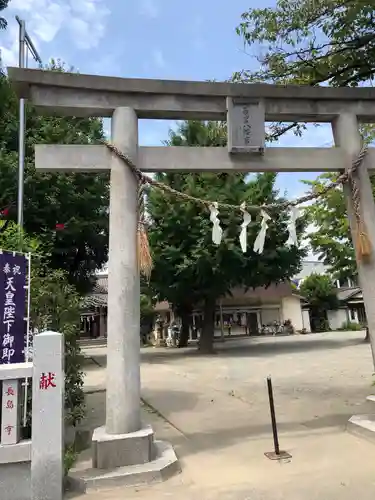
363 243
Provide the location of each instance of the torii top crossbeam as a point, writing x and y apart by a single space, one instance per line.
90 95
245 107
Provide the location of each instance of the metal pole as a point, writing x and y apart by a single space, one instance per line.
273 416
29 42
21 132
25 43
32 49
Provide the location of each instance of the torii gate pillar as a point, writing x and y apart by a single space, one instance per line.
347 137
123 353
124 441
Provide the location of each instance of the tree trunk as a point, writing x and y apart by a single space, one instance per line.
185 316
206 341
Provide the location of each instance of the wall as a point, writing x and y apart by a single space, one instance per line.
291 309
268 316
15 481
258 296
337 318
306 320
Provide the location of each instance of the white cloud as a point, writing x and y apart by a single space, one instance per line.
149 8
83 20
158 58
9 51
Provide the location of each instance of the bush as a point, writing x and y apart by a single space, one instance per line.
350 326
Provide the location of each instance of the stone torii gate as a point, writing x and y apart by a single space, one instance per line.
124 441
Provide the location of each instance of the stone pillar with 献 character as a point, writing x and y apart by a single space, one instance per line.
47 446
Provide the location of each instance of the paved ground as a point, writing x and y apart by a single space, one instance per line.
217 417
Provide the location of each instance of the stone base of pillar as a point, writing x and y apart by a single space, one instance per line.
117 450
364 425
123 460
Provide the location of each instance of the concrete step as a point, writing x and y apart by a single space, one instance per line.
362 426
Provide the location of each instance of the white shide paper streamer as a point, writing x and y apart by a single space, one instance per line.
217 232
292 239
245 223
259 241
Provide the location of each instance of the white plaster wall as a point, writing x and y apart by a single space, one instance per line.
306 320
268 316
291 309
337 318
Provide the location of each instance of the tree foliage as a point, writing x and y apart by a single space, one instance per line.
331 238
3 22
189 268
311 43
320 292
76 202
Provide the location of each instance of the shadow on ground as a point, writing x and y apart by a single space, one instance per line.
233 348
251 348
217 439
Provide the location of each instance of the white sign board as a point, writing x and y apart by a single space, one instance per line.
10 426
246 126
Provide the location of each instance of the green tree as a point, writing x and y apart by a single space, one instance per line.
3 22
331 238
166 287
311 43
189 268
321 294
68 209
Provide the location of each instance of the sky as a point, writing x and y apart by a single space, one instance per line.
164 39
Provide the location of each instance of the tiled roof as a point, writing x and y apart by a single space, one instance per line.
94 300
99 295
347 293
101 285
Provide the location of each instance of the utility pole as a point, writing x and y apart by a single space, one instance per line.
25 45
